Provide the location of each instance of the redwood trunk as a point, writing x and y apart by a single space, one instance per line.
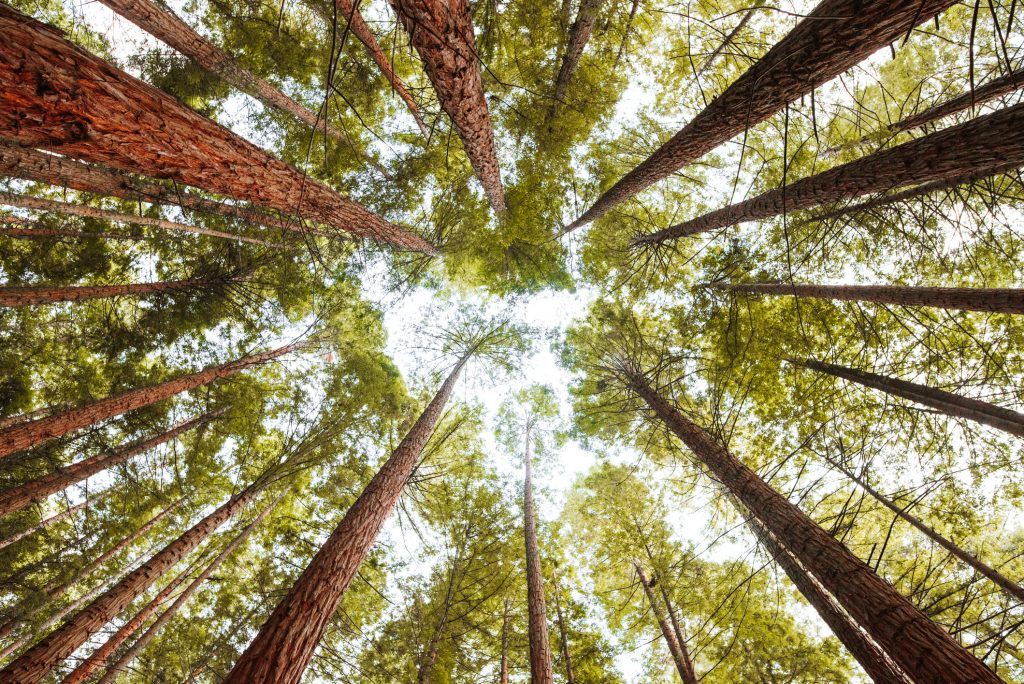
683 665
59 97
17 498
566 656
281 651
36 432
990 91
677 629
921 648
997 300
833 38
953 405
980 145
540 645
503 667
579 35
34 665
13 296
442 33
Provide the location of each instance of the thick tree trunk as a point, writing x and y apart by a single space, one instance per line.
921 648
503 666
540 645
44 523
566 656
990 91
872 659
31 415
729 38
34 665
61 98
14 296
281 651
834 37
579 35
951 404
36 432
997 300
982 144
17 498
683 665
442 33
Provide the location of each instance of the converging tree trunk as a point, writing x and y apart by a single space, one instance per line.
442 33
985 143
998 87
579 35
566 656
683 665
540 645
953 405
62 98
45 522
281 651
834 37
36 432
989 299
26 295
922 649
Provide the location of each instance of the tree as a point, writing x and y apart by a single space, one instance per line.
675 646
978 96
28 295
579 34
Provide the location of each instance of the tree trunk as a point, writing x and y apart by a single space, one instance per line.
979 145
683 665
14 296
24 417
579 35
540 645
122 663
990 91
27 638
997 300
61 98
36 432
17 498
625 33
921 648
44 523
731 36
677 629
569 677
281 651
429 659
872 659
62 232
74 209
34 665
950 404
503 667
442 33
833 38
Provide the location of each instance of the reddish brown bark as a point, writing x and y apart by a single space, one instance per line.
44 523
17 498
281 651
21 418
61 98
36 432
579 35
503 666
25 295
540 645
566 656
34 665
683 665
990 91
985 143
834 37
442 33
998 300
920 647
951 404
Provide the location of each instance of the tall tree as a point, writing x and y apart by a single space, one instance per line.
46 522
997 87
540 645
579 35
26 295
564 634
684 666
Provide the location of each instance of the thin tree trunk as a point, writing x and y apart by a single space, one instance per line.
14 296
61 98
503 667
989 299
75 209
566 656
62 613
63 232
34 665
950 404
281 651
979 145
683 665
442 33
579 35
625 32
429 659
990 91
44 523
921 648
872 659
122 663
999 579
36 432
540 645
833 38
747 16
670 611
17 498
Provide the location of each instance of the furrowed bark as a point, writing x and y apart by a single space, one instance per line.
683 665
281 651
442 33
920 647
833 38
579 35
14 296
540 645
34 665
24 417
953 405
988 299
566 656
989 142
36 432
990 91
61 98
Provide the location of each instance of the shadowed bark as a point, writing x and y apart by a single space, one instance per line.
683 665
990 91
26 295
834 37
579 35
540 645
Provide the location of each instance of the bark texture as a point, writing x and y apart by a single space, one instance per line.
683 665
920 647
540 645
36 432
990 91
951 404
442 33
834 37
997 300
27 295
281 651
61 98
989 142
579 35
